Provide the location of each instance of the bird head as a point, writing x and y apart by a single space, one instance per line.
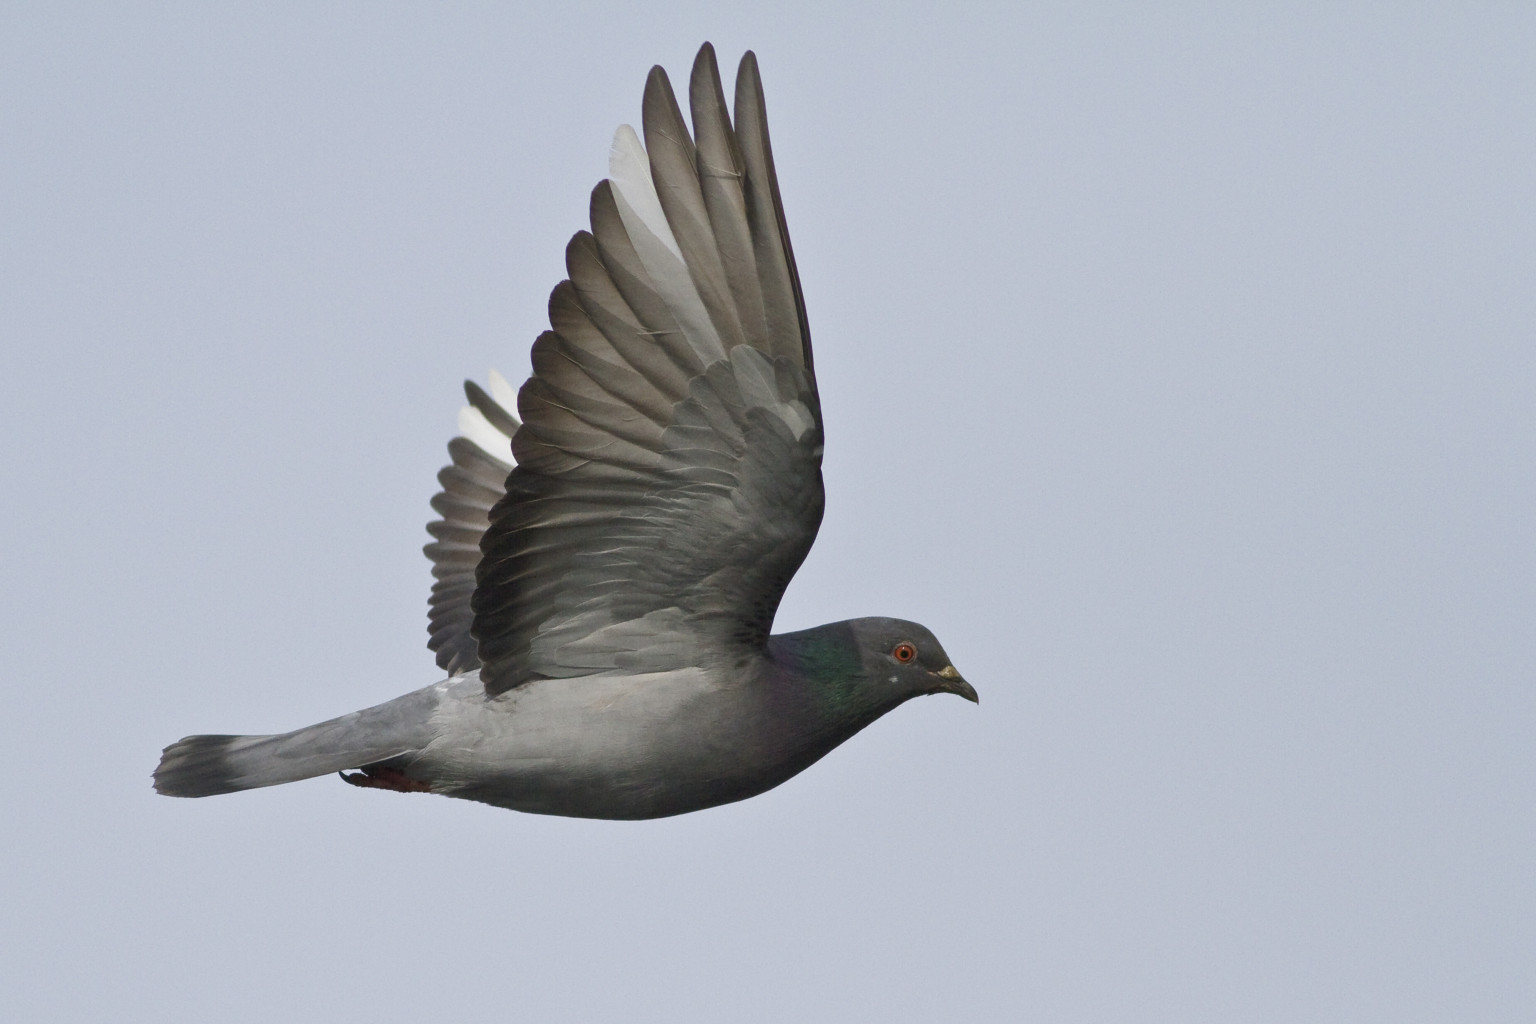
907 658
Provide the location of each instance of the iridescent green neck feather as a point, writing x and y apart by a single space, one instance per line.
823 671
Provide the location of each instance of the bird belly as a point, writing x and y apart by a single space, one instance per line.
610 746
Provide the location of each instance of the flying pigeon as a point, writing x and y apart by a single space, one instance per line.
609 565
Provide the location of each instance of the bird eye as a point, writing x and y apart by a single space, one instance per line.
904 653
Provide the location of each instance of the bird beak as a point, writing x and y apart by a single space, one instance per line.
953 683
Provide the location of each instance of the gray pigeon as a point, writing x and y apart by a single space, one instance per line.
608 568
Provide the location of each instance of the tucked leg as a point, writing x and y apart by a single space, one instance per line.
381 777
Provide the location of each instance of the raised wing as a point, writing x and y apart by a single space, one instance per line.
668 478
473 482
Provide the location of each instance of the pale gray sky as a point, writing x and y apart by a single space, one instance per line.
1179 370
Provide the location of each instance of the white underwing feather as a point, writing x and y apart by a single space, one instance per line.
504 394
479 431
634 193
630 171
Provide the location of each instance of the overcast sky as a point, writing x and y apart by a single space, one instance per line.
1179 370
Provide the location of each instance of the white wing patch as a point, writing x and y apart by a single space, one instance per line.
504 393
634 192
475 428
630 171
479 431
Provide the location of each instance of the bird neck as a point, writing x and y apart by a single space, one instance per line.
821 671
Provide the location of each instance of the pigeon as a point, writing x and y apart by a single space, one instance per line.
610 558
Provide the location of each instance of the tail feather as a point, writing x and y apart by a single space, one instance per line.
211 765
198 766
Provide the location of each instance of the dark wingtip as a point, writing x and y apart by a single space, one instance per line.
657 79
658 111
706 72
748 67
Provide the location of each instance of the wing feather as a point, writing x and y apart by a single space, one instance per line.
784 306
668 464
634 195
721 172
472 482
675 172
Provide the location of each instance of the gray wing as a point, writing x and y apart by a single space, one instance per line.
473 481
668 478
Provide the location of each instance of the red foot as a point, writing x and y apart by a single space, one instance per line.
379 777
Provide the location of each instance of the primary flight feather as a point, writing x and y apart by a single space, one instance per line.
608 568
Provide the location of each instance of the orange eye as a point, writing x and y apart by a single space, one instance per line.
904 653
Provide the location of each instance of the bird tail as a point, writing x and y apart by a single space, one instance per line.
210 765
